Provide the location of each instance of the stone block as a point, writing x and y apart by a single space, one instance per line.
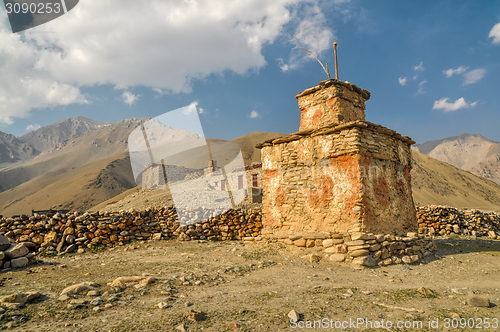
364 261
362 236
355 243
327 243
359 252
16 250
337 257
300 243
4 243
19 262
310 243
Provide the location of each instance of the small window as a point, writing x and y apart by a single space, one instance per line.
240 181
222 184
254 180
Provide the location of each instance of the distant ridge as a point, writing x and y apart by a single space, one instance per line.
46 137
428 146
471 152
14 150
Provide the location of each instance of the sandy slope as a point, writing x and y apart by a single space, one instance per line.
77 189
436 182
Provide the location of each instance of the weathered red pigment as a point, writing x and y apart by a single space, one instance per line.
401 189
302 117
328 186
317 117
280 197
382 191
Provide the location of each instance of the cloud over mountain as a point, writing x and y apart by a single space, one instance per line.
164 45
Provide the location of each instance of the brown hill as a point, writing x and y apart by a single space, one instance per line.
474 153
77 189
14 150
247 144
439 183
70 154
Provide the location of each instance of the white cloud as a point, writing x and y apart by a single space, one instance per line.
421 88
444 105
254 114
201 111
191 108
32 127
415 77
313 33
450 72
158 91
420 67
474 76
129 98
283 66
402 80
22 85
166 47
495 34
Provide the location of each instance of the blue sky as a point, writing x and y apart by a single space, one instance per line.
432 67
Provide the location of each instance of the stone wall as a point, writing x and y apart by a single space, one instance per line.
364 249
21 237
153 178
350 177
445 220
75 232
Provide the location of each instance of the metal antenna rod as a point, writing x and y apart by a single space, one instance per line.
336 68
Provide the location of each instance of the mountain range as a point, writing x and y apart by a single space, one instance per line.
80 164
471 152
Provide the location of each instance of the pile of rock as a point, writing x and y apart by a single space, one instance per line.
444 220
367 249
15 254
66 233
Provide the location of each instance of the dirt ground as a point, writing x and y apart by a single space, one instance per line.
254 287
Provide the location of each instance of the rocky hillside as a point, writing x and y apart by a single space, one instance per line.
13 150
70 154
437 182
76 189
474 153
46 137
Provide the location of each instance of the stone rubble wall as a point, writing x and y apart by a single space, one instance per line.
444 220
76 233
21 237
342 178
367 249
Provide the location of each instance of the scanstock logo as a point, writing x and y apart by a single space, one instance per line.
170 154
27 14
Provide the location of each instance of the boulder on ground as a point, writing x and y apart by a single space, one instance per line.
15 301
77 288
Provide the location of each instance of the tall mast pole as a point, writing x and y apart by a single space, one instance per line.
336 67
